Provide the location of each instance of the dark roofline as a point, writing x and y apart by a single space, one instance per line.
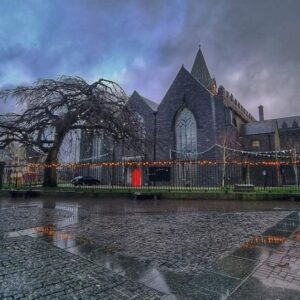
183 69
257 128
283 118
151 104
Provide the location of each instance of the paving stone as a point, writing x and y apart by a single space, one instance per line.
183 238
13 219
50 272
59 251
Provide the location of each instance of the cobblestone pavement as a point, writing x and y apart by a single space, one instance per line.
32 269
79 250
12 219
174 242
278 276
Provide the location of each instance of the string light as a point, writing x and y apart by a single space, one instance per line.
259 153
159 163
277 153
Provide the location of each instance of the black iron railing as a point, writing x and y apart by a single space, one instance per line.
190 175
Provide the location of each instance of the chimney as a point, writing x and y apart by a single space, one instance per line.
261 113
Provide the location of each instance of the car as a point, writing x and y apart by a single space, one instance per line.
85 180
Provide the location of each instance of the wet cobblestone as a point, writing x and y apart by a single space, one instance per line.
282 266
145 254
178 241
33 269
13 219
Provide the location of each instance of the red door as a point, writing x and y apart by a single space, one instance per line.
136 177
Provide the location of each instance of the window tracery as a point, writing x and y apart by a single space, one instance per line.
186 134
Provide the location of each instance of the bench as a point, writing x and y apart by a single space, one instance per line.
146 195
244 188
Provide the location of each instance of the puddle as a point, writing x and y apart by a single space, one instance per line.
217 281
128 267
275 236
53 233
50 234
268 240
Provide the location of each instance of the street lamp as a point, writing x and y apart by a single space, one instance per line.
154 135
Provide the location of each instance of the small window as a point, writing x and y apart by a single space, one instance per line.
232 119
234 122
255 144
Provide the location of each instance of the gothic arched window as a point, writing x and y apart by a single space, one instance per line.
98 147
141 127
186 134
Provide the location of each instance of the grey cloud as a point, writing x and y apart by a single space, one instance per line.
247 37
252 47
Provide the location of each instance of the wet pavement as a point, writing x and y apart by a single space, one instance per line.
126 249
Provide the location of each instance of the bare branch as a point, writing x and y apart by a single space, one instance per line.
52 108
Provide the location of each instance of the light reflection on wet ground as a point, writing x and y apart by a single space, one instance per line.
231 276
147 206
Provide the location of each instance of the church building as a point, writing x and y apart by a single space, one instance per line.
193 117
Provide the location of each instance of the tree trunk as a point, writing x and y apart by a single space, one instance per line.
295 167
50 178
224 168
50 175
248 174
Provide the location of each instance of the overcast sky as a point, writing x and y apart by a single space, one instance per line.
252 47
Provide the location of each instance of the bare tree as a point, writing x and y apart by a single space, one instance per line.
52 108
227 141
291 143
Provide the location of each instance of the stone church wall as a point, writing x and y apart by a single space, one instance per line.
185 91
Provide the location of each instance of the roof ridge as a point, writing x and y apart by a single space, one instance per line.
195 79
152 105
291 117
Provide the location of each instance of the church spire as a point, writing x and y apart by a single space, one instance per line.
201 73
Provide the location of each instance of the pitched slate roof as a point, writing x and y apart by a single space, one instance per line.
150 103
289 122
269 126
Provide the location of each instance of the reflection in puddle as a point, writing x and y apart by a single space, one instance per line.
49 231
218 281
126 266
73 209
296 236
263 241
57 238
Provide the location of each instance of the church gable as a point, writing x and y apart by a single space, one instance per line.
146 110
141 104
183 88
186 92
